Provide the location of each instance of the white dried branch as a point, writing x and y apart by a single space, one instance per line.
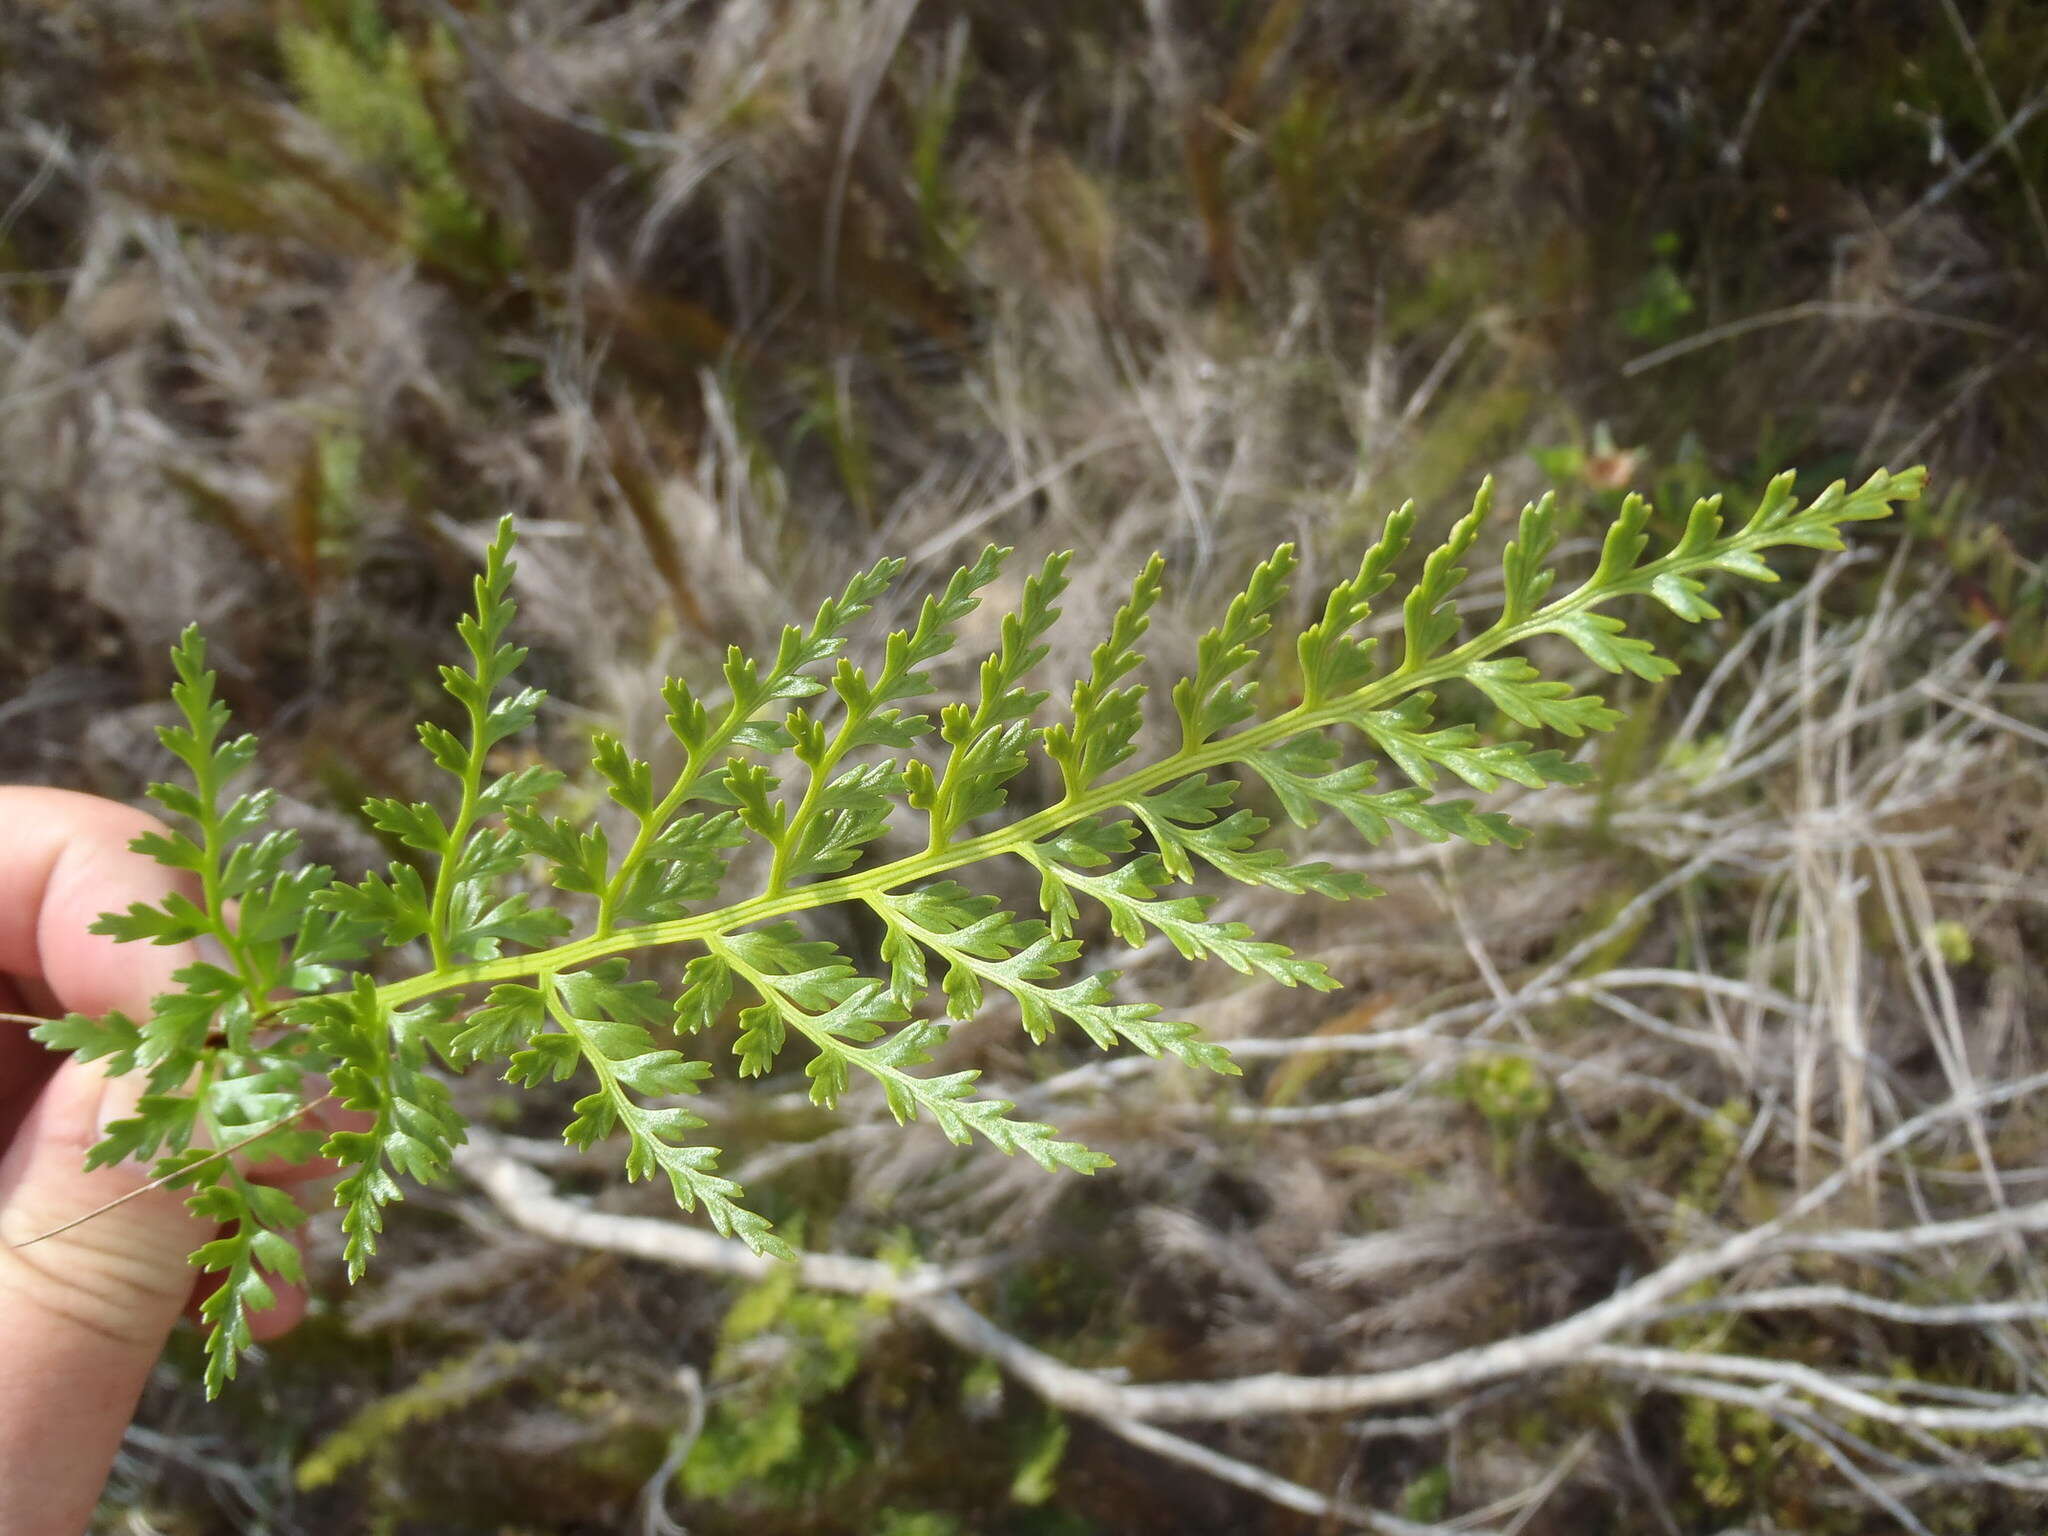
530 1201
1788 1376
1278 1490
1565 1068
1427 1030
1566 1342
1933 1234
526 1197
1790 1298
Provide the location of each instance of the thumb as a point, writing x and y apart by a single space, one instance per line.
83 1313
119 1277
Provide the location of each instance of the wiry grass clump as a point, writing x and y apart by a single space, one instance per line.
729 300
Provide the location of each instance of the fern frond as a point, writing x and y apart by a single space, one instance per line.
815 767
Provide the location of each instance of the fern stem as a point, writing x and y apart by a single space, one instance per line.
458 835
764 988
214 850
914 1089
806 809
650 828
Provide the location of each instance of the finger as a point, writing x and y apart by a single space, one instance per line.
83 1315
89 1308
65 859
68 861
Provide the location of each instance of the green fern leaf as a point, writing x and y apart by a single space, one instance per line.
812 761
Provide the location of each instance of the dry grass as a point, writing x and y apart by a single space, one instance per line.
724 298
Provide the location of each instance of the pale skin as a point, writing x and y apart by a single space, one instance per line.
83 1312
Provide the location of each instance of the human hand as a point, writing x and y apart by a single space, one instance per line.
84 1311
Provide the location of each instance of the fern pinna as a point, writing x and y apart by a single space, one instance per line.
812 756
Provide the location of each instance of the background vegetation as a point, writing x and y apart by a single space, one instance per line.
723 297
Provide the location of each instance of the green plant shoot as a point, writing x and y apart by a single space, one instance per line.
803 760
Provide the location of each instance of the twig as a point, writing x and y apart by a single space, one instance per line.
1531 1501
1933 1234
1736 147
1429 1028
1812 309
1639 1469
528 1198
655 1520
1242 1474
1814 1297
1967 391
1943 189
1786 1375
1563 1065
1983 712
1998 118
1908 1521
529 1201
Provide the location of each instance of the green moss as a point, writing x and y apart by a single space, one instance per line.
1427 1498
376 94
375 1430
898 1522
782 1352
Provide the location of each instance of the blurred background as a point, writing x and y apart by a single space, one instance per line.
723 298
